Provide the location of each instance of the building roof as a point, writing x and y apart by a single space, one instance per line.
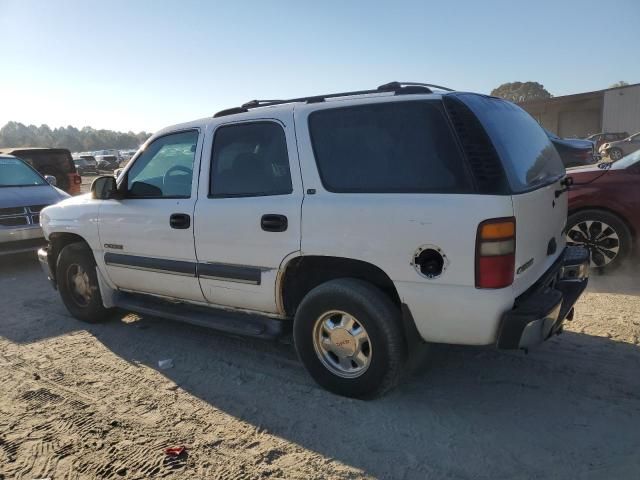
573 96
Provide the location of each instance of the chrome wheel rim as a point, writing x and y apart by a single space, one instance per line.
79 285
600 238
342 344
615 155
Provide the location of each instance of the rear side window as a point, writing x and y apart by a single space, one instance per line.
250 160
527 154
403 147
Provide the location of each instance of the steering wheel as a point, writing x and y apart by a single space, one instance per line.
175 168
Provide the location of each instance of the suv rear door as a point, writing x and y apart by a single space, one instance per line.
247 218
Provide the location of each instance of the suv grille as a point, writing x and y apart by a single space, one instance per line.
20 216
481 155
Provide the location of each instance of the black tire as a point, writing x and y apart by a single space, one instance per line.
599 241
72 257
381 320
615 154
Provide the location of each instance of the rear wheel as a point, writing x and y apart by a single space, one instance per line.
604 234
348 335
615 154
78 283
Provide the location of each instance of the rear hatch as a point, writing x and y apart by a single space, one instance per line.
533 172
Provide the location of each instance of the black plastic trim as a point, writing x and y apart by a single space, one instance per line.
161 265
233 273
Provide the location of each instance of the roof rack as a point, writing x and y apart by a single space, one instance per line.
398 88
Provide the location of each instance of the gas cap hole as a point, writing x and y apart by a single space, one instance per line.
430 262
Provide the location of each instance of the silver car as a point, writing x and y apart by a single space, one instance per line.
616 150
23 193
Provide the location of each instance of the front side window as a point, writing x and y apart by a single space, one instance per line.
403 147
250 160
165 168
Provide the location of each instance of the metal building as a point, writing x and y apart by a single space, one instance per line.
579 115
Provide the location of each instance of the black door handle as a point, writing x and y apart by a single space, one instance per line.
181 221
272 222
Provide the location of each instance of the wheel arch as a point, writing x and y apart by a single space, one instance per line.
57 241
302 273
610 211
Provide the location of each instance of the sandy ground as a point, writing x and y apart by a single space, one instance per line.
88 401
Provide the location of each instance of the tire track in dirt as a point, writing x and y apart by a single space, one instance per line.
87 417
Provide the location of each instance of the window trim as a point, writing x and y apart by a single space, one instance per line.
440 108
247 195
124 184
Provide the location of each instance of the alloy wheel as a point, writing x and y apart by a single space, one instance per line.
600 238
80 285
342 344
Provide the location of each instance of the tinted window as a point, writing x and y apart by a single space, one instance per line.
527 154
165 167
250 160
387 147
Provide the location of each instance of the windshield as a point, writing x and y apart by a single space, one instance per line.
627 161
14 173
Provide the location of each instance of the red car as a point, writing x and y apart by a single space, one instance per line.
604 211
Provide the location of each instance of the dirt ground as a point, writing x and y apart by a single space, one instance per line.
89 401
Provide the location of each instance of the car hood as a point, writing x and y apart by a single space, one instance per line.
33 195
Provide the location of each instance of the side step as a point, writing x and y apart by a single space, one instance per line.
237 323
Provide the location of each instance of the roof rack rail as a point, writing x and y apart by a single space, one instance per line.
398 88
399 85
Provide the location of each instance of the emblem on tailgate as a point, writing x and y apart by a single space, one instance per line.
524 266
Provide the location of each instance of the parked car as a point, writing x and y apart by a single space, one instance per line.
23 194
604 211
574 152
86 165
617 150
107 162
358 223
56 162
604 137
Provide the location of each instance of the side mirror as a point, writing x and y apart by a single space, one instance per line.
51 180
103 188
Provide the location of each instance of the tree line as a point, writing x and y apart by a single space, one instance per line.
15 134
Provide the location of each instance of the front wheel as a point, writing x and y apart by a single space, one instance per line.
604 234
78 283
348 335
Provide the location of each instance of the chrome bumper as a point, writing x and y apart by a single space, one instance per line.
20 239
43 258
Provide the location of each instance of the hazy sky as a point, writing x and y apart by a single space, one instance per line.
141 65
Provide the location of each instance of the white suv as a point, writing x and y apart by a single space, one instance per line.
362 221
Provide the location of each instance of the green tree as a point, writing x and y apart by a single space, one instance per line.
621 83
521 91
15 134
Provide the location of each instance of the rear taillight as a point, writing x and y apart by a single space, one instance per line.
495 253
77 179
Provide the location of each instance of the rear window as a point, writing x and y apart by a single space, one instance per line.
528 156
404 147
46 160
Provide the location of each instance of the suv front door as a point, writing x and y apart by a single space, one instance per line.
247 218
148 235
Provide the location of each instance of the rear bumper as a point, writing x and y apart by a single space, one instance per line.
540 312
